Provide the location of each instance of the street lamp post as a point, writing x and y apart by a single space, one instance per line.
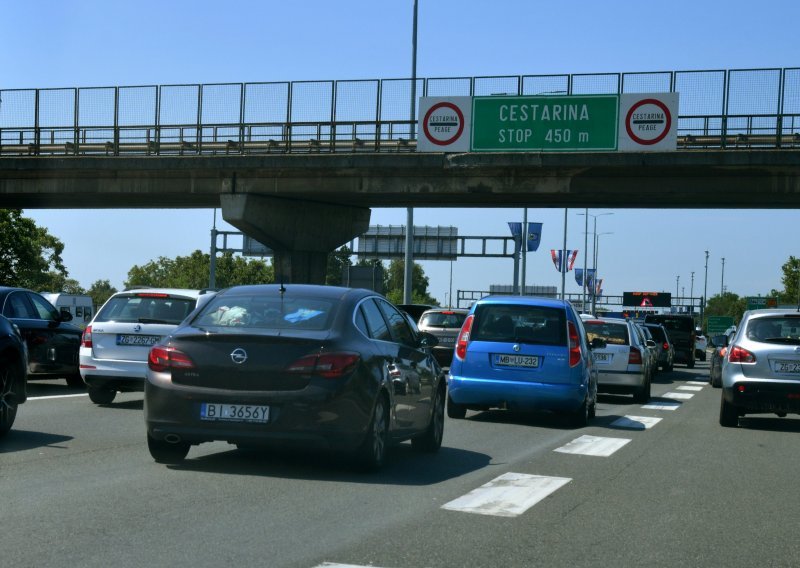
677 286
705 296
409 261
594 251
596 272
722 282
691 295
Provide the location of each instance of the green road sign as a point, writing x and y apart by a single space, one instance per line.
759 303
718 324
542 123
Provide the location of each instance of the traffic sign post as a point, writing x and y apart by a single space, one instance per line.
760 303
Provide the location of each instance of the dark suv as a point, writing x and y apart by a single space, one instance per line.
13 371
680 328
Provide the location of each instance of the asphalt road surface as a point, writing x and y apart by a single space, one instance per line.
666 486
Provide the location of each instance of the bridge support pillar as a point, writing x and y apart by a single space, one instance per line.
300 233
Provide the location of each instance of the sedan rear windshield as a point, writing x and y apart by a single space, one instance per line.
519 323
613 333
657 333
146 308
684 324
257 311
780 329
443 319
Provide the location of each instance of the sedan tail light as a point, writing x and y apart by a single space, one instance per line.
635 356
86 338
666 346
738 354
162 358
463 338
326 365
574 345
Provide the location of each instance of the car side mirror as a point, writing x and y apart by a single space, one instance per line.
650 343
64 316
427 340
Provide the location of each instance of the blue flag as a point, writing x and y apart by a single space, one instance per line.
534 236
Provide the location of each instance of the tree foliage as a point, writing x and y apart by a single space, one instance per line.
101 291
395 280
790 280
30 257
338 261
193 272
727 304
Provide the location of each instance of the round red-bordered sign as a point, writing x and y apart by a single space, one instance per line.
667 125
426 122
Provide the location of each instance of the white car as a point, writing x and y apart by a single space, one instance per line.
115 345
700 345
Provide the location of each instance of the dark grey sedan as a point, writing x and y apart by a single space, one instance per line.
295 366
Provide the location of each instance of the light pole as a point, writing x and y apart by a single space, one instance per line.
596 272
705 296
722 282
691 295
409 261
677 285
594 251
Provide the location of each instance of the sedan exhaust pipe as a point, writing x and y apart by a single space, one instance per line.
172 438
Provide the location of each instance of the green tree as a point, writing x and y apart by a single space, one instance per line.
101 291
57 282
395 280
790 280
28 254
193 272
727 304
338 261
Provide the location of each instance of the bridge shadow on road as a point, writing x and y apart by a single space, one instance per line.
21 440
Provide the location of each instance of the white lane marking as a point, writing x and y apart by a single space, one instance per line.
690 388
662 405
636 422
698 383
335 565
57 396
593 446
678 395
509 495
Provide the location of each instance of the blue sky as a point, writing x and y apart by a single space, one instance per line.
100 43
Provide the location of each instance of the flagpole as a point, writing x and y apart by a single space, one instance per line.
564 259
524 249
585 258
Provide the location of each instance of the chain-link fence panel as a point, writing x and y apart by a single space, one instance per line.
485 86
647 82
596 84
545 84
17 116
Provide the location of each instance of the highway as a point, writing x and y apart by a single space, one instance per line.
667 486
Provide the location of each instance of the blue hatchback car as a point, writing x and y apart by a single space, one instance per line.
523 353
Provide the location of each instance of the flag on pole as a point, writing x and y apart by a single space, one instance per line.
590 283
516 232
534 236
579 276
562 257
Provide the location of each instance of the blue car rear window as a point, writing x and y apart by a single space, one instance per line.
520 324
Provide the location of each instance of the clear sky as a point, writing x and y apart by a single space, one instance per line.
94 43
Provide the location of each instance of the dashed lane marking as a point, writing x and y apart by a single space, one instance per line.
57 396
690 388
636 422
509 495
335 565
678 395
665 405
593 446
697 383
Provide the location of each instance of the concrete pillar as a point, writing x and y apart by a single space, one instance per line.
301 233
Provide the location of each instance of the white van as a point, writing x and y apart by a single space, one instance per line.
79 305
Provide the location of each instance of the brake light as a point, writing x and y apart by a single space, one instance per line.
737 354
574 344
666 346
463 338
162 358
152 295
723 351
635 356
444 313
86 338
326 365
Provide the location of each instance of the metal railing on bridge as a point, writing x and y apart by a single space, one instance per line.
728 109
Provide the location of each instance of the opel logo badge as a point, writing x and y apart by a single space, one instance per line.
239 356
137 328
516 347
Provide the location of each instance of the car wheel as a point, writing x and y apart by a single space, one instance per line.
580 417
455 410
642 394
703 356
76 381
102 396
716 382
166 452
690 363
372 454
728 415
9 377
431 440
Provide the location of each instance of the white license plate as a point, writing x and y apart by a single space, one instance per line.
602 357
786 366
234 412
146 340
447 340
526 361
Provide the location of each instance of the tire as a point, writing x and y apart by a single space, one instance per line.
76 381
593 409
690 363
455 410
580 417
165 452
101 395
728 415
9 378
431 440
373 450
716 383
642 394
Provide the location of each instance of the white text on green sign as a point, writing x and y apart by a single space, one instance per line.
561 123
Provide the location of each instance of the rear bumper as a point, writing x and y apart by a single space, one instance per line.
117 375
515 395
620 379
764 396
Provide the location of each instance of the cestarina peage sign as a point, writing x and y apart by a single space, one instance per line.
641 122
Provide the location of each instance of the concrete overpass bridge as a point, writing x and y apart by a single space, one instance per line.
304 187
